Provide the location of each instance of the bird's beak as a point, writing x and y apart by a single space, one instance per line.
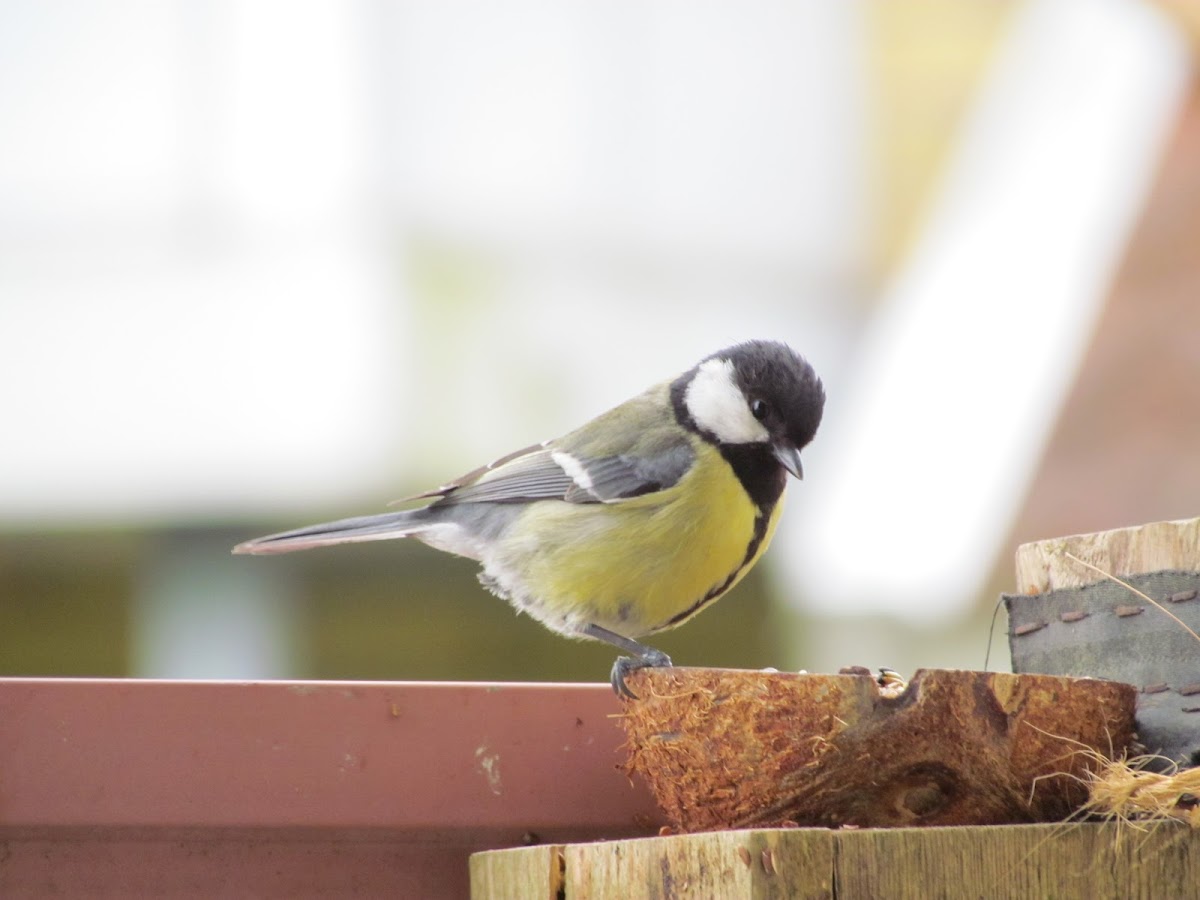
789 458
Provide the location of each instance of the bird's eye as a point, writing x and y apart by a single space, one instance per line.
759 409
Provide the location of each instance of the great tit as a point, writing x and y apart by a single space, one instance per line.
636 521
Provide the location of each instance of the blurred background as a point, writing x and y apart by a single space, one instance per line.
269 263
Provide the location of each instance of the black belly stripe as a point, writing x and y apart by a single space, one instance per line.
760 531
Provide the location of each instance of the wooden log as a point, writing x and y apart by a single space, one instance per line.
1065 861
723 748
1045 566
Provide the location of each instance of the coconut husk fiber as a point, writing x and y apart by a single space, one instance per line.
723 748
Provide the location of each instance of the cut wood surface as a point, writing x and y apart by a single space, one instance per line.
1064 861
525 872
1045 566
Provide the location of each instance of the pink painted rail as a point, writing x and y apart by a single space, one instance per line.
291 789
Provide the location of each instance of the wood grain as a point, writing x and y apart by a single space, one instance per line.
792 863
1065 861
523 873
1096 862
1045 566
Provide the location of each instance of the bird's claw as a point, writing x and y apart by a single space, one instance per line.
625 665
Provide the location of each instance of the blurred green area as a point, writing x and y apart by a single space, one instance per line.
381 611
64 603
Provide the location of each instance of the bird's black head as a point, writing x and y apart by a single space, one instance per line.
757 392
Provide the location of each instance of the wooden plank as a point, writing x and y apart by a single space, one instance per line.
526 873
791 863
1067 862
1064 861
1044 566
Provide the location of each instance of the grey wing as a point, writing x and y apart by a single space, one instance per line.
547 472
519 478
632 450
612 478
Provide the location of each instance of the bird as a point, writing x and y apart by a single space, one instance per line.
633 523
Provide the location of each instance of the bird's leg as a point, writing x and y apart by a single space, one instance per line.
643 658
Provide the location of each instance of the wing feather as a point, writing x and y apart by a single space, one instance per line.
534 476
632 450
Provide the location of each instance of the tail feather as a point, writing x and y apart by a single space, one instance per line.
344 531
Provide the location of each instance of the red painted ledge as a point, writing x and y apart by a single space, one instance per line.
297 788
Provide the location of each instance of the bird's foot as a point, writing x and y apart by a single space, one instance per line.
643 658
652 659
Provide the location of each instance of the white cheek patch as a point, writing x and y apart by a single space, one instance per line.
718 406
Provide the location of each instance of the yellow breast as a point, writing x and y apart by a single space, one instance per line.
639 565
